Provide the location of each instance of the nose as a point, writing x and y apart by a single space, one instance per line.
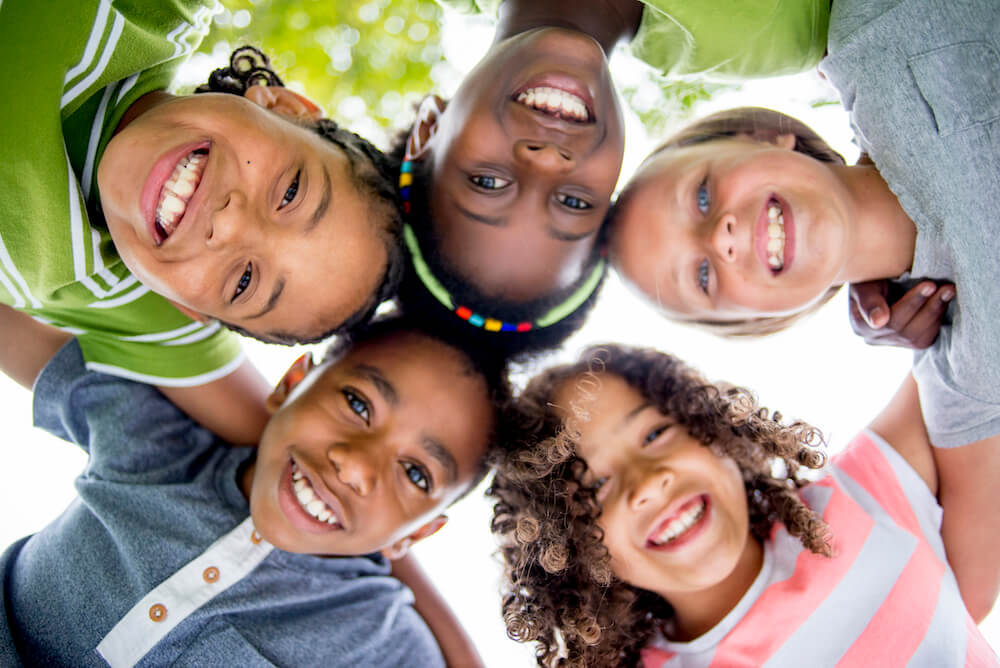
648 486
724 237
228 223
354 468
544 156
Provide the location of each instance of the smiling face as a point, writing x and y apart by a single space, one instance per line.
734 228
371 448
674 514
236 213
525 159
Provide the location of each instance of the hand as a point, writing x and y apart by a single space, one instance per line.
912 321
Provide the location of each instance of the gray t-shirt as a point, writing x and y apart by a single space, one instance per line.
156 562
921 80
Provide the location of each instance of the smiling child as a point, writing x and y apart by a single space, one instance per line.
140 221
512 178
651 517
187 551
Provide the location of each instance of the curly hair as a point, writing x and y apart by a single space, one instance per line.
414 296
559 590
373 173
755 122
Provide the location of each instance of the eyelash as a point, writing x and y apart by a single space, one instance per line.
358 406
701 198
426 485
573 202
293 188
244 282
655 434
703 275
489 182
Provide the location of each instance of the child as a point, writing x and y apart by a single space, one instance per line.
511 180
182 550
670 520
284 230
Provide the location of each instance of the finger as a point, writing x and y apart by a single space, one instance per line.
923 328
869 298
903 311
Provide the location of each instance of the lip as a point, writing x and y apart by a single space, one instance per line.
296 514
760 234
563 82
688 536
157 178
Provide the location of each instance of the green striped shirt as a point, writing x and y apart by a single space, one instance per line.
74 68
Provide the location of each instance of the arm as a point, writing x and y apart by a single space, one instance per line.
456 645
26 345
963 479
232 407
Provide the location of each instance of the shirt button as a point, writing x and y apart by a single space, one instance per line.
211 574
255 537
158 612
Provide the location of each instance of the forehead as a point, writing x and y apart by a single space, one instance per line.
597 404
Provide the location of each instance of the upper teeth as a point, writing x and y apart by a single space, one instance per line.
308 499
775 236
177 191
555 102
680 524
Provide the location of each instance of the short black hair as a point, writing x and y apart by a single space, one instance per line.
372 172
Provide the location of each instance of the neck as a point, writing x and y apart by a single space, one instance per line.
696 612
884 237
142 105
607 21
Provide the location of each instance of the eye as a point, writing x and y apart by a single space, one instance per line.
703 275
573 202
419 476
293 190
243 283
596 486
701 197
654 434
489 182
357 405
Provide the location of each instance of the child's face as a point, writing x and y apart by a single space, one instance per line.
367 452
694 230
674 514
270 234
522 174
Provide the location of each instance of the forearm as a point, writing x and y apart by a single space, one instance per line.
26 345
456 645
232 407
970 527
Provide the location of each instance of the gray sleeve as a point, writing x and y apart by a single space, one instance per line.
128 428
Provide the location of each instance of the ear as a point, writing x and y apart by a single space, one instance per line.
191 313
299 369
424 127
284 101
399 549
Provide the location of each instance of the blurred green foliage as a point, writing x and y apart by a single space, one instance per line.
363 60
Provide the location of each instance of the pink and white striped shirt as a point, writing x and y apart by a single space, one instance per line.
887 597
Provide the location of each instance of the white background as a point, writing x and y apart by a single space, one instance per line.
819 372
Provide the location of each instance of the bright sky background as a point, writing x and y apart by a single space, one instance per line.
819 372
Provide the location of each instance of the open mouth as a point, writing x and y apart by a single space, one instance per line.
775 236
310 502
679 524
555 102
177 192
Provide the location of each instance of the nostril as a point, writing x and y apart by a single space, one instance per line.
565 155
535 147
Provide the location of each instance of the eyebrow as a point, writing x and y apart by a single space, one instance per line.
555 233
381 383
279 287
631 415
444 457
324 202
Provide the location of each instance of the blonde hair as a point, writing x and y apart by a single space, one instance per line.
762 123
